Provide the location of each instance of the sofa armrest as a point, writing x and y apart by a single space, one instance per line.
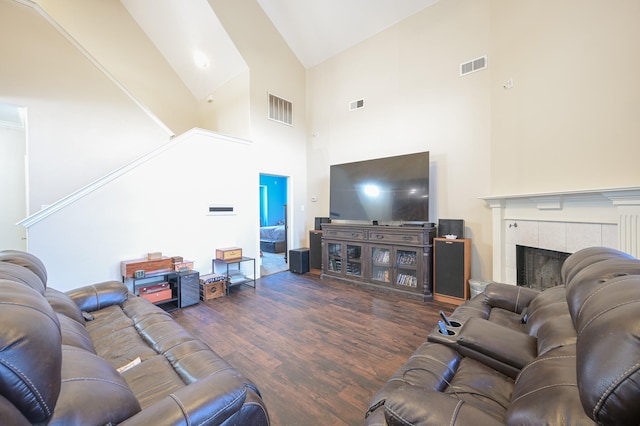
209 401
500 347
97 296
414 405
509 297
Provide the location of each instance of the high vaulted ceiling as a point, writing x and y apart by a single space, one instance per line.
191 38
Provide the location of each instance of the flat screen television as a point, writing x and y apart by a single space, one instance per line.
391 189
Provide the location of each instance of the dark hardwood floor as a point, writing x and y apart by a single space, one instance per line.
318 349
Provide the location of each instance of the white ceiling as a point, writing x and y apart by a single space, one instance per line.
318 29
315 30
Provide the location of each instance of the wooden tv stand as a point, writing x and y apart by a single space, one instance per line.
396 259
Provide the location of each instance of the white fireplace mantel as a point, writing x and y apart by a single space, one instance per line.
563 221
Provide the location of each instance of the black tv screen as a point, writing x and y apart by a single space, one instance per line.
391 189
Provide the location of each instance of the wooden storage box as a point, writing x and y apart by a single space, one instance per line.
154 288
186 265
157 296
229 253
212 290
128 267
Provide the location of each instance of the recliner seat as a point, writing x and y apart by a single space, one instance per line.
570 358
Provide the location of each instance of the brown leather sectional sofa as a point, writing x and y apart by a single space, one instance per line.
59 355
569 355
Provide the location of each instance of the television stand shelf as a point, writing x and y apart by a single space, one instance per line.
396 259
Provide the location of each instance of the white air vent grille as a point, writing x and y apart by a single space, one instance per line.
474 65
280 110
357 104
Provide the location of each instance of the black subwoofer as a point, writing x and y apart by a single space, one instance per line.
299 260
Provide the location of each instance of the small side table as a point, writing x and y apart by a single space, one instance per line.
235 276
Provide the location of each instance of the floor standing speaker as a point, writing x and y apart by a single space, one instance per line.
315 249
451 270
299 260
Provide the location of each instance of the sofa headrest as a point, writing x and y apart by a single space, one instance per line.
27 260
587 257
30 351
591 280
608 352
13 272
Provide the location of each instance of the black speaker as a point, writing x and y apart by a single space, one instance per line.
299 260
449 268
451 227
320 221
315 249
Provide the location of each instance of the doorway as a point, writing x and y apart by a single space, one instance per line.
13 186
274 193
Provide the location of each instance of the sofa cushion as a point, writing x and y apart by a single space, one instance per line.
557 332
30 355
92 392
440 368
152 379
589 281
115 337
587 257
413 406
97 296
18 273
209 401
509 297
62 304
10 415
485 341
608 352
546 392
26 260
75 334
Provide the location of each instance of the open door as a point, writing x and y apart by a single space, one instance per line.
274 194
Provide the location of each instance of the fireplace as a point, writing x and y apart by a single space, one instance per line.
538 268
564 222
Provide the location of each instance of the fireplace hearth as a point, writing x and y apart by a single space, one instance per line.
538 268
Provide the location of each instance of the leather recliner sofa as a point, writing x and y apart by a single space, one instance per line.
569 355
60 354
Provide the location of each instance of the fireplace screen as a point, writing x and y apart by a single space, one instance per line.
537 268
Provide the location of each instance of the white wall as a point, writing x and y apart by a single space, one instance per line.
570 122
81 125
112 36
228 109
12 187
161 205
415 101
94 129
280 149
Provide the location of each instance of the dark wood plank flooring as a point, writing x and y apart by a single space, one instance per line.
318 349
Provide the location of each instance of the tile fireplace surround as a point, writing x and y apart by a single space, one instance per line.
563 221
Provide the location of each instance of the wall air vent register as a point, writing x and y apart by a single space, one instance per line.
357 104
473 65
280 110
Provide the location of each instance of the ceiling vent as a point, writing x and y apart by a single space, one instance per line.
473 66
280 110
357 104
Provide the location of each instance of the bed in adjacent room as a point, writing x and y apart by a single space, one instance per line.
272 239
